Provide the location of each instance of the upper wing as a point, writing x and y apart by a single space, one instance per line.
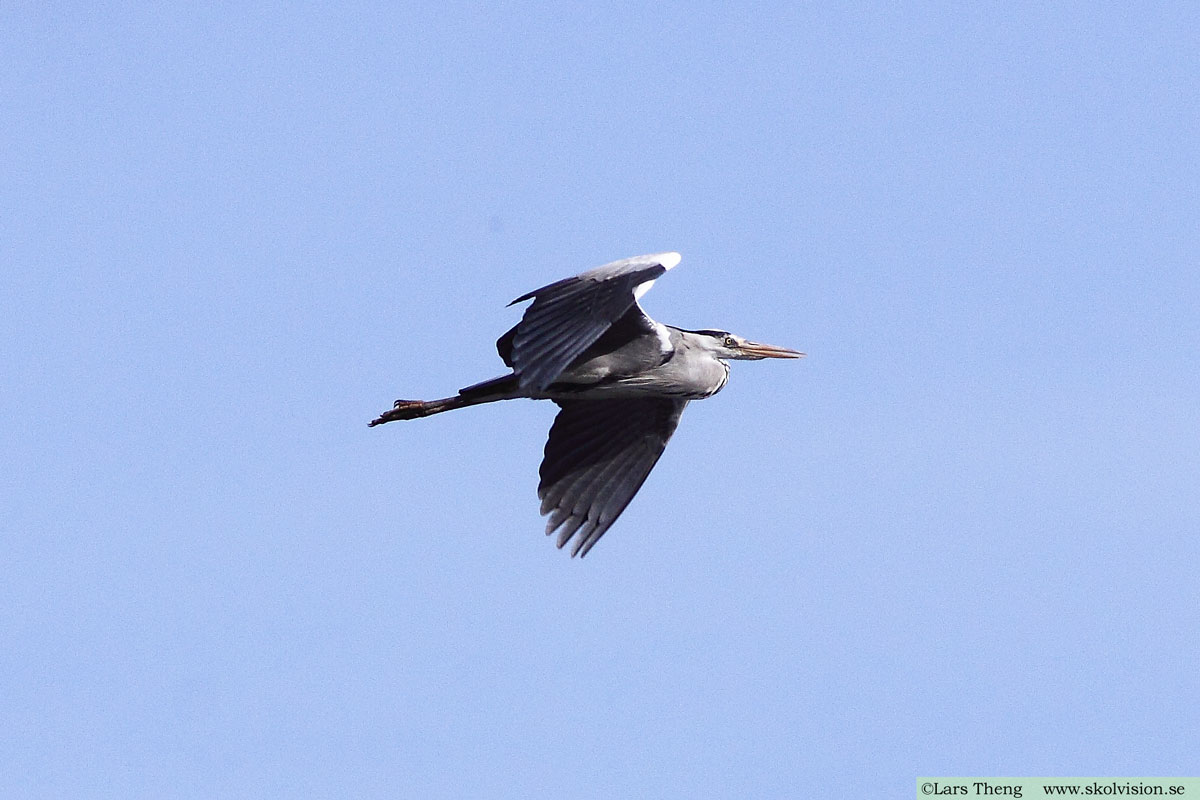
568 316
597 457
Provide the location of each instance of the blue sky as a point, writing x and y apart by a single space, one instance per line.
960 538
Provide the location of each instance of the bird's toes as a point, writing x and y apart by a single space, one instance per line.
402 409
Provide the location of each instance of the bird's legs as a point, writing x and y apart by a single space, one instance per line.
411 409
502 388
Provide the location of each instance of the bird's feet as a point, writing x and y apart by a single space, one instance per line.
402 409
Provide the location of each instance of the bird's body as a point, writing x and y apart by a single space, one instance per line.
618 365
623 371
620 378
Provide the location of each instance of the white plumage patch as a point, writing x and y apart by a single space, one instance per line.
664 338
667 260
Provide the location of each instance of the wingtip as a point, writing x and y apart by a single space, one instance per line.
669 260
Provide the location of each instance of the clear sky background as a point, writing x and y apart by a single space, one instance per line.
959 538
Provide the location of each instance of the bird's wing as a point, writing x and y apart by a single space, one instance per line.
597 457
568 316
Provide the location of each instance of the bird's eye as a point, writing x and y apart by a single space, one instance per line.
730 341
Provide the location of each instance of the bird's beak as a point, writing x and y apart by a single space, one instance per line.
757 350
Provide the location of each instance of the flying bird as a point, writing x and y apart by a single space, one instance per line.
619 378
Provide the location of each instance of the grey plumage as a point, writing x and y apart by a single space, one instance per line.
620 379
568 316
597 456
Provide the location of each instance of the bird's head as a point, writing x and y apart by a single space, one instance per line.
724 344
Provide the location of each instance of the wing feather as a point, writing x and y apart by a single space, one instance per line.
568 316
597 457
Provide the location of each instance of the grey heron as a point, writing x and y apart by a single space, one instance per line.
620 379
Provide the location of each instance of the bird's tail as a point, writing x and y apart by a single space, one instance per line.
502 388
